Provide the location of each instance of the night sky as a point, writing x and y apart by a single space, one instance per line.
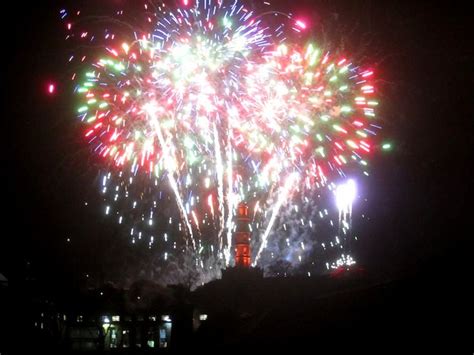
417 193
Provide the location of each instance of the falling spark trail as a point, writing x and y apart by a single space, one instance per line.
220 186
282 197
170 167
230 201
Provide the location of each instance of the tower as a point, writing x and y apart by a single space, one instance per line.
242 237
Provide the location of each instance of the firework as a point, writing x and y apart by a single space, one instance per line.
200 107
311 120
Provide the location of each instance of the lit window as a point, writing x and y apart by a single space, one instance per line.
125 338
163 338
115 318
203 317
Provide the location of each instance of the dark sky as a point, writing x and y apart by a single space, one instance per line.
417 194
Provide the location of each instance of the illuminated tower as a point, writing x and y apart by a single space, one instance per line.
242 237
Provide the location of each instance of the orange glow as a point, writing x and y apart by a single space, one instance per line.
242 238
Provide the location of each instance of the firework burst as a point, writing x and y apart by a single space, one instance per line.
210 105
